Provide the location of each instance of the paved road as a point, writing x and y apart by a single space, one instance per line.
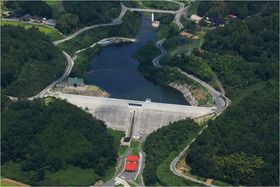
66 73
151 10
116 21
221 102
174 162
155 61
179 13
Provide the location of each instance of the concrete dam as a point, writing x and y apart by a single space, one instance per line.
119 114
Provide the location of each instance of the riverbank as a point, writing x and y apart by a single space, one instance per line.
89 90
193 92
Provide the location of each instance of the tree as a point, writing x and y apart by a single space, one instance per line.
67 23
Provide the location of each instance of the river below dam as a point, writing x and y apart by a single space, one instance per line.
115 70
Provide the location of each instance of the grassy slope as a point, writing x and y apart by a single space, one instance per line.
51 32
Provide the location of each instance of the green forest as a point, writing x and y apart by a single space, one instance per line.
128 28
241 146
161 143
30 61
39 8
45 139
97 12
93 12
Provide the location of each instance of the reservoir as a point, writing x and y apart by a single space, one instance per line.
115 70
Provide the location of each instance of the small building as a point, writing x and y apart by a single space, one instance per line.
75 82
232 16
130 166
132 158
156 24
36 19
50 22
195 18
26 17
186 34
7 13
195 37
216 21
209 181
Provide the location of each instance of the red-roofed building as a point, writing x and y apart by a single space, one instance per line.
131 166
132 158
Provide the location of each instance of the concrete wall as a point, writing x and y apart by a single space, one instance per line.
117 113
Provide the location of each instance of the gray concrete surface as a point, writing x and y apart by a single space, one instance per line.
151 116
151 10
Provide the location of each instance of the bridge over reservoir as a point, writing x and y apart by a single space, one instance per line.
146 116
151 10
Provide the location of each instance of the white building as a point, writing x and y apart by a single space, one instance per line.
195 18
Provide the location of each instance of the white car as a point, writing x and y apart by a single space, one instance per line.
117 183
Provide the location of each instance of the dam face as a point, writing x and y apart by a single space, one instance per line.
148 116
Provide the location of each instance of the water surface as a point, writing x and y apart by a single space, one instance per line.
115 70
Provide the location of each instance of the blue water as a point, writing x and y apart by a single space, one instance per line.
115 70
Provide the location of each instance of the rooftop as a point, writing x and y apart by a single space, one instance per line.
132 158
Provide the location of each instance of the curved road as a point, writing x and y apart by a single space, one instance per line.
179 13
116 21
155 61
70 60
66 73
221 102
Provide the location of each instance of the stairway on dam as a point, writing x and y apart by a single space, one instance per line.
144 117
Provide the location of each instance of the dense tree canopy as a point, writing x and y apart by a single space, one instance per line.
67 23
241 9
48 135
93 12
256 39
242 146
29 61
162 142
39 8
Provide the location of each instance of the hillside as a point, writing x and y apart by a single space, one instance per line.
241 147
164 143
30 61
51 142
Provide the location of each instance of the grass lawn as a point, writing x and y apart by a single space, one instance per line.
117 136
71 176
4 183
51 32
135 145
122 151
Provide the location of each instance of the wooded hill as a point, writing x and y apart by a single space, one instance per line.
241 146
30 61
44 139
